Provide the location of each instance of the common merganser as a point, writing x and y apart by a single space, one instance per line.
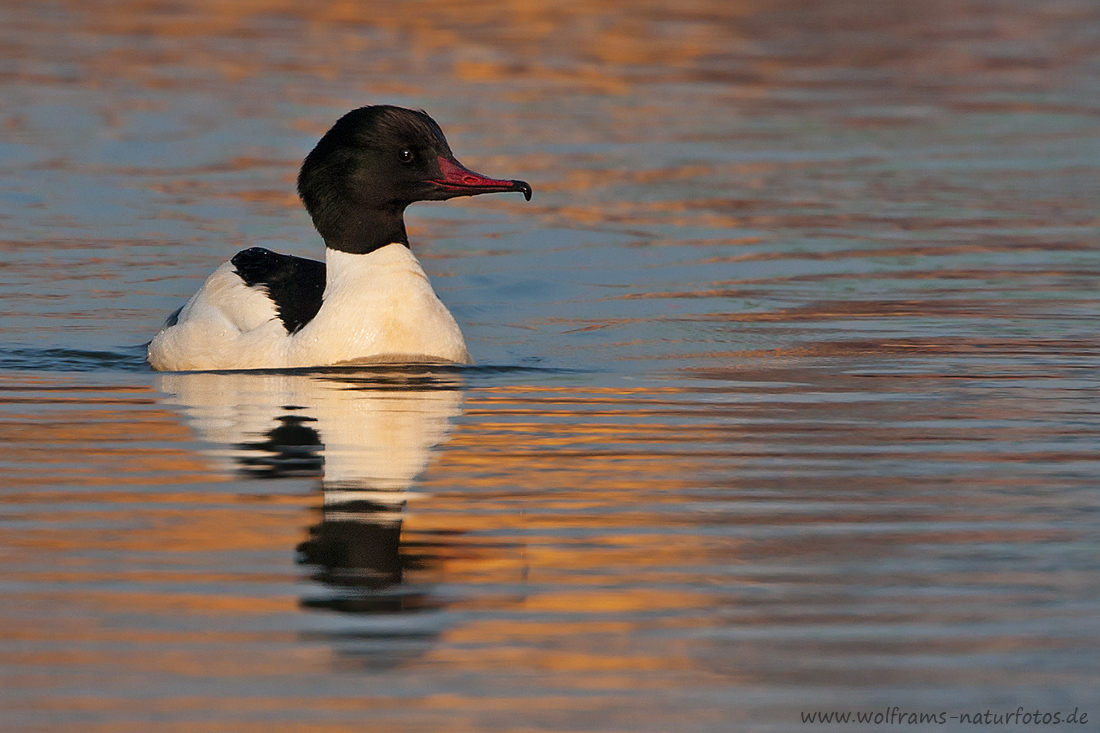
369 301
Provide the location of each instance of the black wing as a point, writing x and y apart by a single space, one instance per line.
174 318
294 284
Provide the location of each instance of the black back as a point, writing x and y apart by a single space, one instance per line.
294 284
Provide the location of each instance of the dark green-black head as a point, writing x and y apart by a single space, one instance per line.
373 163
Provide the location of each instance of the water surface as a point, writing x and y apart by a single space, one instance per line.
786 395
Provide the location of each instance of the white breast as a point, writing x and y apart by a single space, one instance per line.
377 307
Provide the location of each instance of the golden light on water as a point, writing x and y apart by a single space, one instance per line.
785 395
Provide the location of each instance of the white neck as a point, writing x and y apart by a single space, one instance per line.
342 266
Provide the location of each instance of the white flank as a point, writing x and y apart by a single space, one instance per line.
378 307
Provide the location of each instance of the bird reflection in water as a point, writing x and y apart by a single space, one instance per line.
366 434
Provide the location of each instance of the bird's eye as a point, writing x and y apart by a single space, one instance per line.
406 156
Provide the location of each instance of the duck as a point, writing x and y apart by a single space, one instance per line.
370 300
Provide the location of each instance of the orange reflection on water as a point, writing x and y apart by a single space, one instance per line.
839 250
91 435
547 540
